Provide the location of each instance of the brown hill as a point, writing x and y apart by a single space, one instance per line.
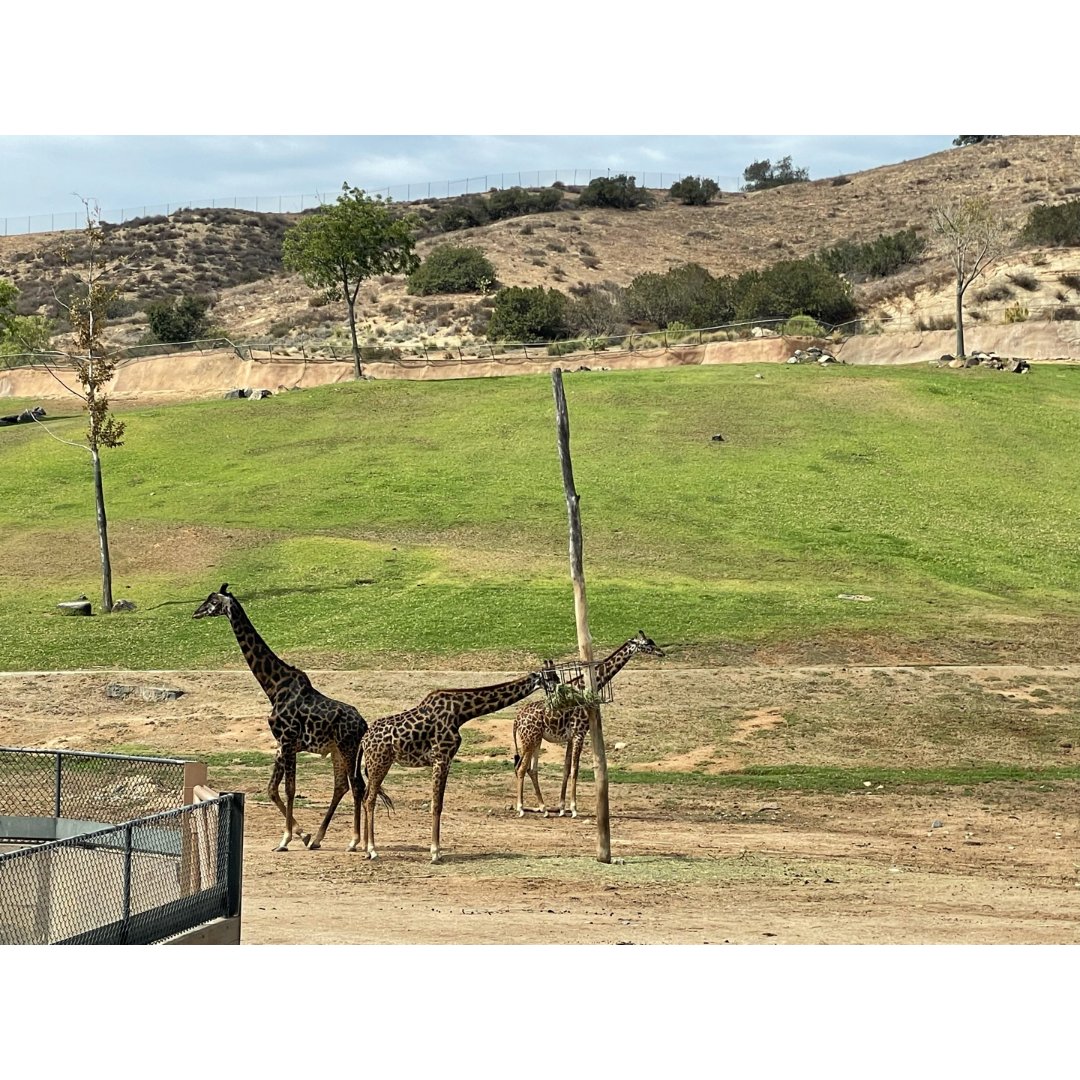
235 256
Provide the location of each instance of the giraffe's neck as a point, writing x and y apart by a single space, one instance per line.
610 666
271 671
481 700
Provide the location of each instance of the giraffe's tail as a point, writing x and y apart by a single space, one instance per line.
517 756
386 801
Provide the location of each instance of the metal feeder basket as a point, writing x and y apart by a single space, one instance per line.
572 677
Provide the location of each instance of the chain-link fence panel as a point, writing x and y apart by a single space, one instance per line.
87 787
135 883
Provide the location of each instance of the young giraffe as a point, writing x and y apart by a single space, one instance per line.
430 734
302 719
569 726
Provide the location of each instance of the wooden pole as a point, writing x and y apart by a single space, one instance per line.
581 615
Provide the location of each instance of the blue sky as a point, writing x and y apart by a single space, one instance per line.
41 174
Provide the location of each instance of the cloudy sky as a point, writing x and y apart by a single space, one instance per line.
41 174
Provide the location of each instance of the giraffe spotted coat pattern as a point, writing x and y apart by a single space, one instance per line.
430 734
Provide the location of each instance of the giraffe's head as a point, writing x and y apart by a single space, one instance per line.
547 678
217 603
644 644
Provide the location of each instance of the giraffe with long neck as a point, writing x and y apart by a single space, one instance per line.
537 722
301 720
430 734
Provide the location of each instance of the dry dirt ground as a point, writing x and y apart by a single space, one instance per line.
693 862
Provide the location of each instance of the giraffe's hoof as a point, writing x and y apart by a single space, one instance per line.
562 811
573 813
306 837
372 854
314 846
436 857
281 847
543 812
521 811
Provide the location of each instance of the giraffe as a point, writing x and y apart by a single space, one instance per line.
302 719
430 734
568 726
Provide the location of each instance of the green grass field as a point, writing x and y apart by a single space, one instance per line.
389 523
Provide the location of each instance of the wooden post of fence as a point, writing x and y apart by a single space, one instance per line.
194 778
581 614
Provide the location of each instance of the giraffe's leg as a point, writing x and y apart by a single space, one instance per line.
285 766
534 776
341 785
356 783
527 764
377 771
566 773
579 743
440 770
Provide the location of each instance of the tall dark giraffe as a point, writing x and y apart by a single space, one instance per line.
430 734
301 719
569 726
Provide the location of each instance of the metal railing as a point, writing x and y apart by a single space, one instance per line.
97 861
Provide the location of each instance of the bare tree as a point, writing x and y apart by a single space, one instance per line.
92 369
972 236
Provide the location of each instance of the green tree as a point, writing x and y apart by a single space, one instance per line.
694 190
340 246
763 174
88 359
452 268
618 192
527 315
183 319
972 236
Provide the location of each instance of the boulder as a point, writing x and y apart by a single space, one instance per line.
237 392
123 605
257 395
75 607
957 363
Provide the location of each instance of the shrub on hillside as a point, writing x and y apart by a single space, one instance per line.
796 286
183 319
598 310
452 268
474 210
760 175
536 314
694 190
463 214
517 202
1054 226
618 192
687 294
876 259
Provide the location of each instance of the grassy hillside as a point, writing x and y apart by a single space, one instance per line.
389 523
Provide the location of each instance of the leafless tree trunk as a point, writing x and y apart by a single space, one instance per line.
581 614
